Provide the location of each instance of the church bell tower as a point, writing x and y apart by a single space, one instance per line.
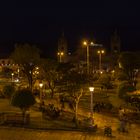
115 49
115 43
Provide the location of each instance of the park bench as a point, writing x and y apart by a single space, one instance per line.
14 119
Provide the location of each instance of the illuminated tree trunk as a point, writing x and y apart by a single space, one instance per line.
77 99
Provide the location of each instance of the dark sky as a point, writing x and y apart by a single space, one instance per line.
42 23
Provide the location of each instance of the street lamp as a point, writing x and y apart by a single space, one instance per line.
60 54
91 89
100 52
18 72
41 85
87 44
12 74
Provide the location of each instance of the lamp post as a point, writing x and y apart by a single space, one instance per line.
18 73
60 54
91 89
12 74
100 52
85 43
40 85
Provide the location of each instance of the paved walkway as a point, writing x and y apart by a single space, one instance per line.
28 134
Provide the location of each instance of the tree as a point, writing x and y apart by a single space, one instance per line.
6 72
123 88
129 61
8 90
27 57
50 74
23 99
105 80
74 85
63 68
120 75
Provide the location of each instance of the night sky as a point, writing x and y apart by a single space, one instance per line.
43 23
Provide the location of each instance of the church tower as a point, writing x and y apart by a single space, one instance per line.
62 52
115 49
115 43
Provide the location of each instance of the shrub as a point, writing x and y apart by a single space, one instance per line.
121 76
123 88
96 76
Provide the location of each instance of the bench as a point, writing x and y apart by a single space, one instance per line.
15 119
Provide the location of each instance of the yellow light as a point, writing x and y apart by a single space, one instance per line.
91 43
61 53
91 89
113 71
41 85
37 68
102 51
85 43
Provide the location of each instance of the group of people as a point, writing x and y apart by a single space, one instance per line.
51 111
134 101
99 106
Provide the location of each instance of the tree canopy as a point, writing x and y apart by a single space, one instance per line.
129 61
50 74
105 80
25 54
27 57
23 99
74 85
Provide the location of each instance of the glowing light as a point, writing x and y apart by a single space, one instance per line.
100 51
41 85
85 43
60 53
91 43
91 89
